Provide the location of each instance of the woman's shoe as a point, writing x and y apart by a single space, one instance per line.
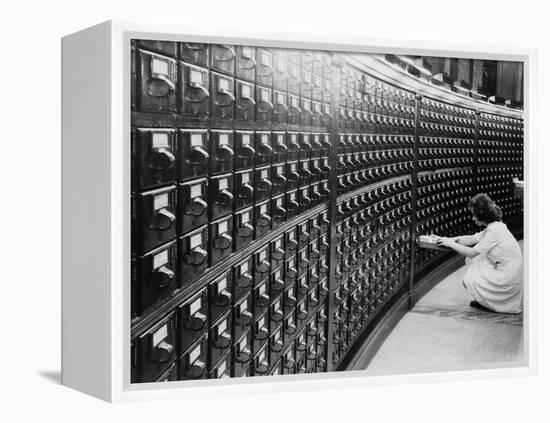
477 305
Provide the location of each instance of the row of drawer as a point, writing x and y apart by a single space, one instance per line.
348 162
437 129
375 102
357 179
164 85
363 119
356 79
358 143
164 213
251 63
249 342
178 263
451 118
162 156
438 107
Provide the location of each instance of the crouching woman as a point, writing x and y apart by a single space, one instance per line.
494 274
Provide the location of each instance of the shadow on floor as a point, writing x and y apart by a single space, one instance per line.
53 376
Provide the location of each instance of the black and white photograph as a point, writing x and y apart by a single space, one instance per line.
301 211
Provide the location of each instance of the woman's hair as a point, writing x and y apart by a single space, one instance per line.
484 209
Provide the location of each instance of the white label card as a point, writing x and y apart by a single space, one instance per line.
245 91
292 196
294 101
195 241
222 327
160 335
261 289
263 208
195 354
246 139
160 139
307 105
195 306
222 183
263 174
196 77
280 170
265 96
244 268
196 190
224 84
159 66
224 139
244 306
245 217
245 178
196 140
160 259
262 255
222 227
222 369
160 201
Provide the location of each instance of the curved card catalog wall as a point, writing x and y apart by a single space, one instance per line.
277 196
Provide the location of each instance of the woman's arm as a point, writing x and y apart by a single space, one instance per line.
459 248
467 240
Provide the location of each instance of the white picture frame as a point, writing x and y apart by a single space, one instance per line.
96 227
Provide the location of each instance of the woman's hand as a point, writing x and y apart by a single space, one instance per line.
445 242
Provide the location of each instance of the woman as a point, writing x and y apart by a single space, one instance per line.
494 275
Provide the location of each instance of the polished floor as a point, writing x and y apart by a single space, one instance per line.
443 333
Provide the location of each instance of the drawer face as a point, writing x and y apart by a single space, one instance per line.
193 153
264 67
154 351
223 96
246 63
242 279
220 340
154 277
194 90
156 83
223 58
222 370
242 316
242 355
193 249
260 332
243 233
221 152
221 195
245 151
192 205
168 48
194 53
192 365
278 211
192 319
155 219
245 102
154 157
261 362
221 239
220 294
264 104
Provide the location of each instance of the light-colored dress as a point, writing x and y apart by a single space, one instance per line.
495 276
